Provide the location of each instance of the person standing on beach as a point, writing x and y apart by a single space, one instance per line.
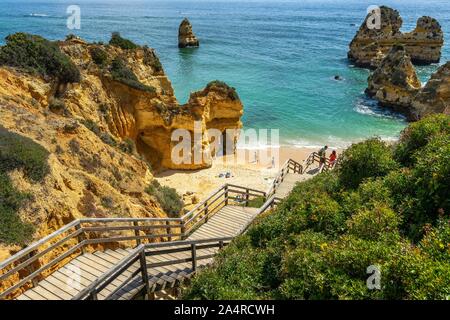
322 157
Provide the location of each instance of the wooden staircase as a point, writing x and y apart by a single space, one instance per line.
126 258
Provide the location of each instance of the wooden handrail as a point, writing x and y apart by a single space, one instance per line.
289 164
37 244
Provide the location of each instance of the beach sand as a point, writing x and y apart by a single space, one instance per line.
245 172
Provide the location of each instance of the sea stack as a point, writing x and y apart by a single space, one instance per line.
186 37
395 82
370 45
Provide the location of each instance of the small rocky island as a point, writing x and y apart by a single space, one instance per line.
186 37
370 46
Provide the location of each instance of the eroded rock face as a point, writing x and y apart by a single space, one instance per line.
423 44
394 83
186 37
435 96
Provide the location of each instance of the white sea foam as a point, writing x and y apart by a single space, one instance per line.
38 15
370 107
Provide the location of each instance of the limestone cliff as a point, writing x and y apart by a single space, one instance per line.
370 45
394 83
186 37
103 131
435 96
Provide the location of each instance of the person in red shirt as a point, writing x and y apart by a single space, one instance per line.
332 159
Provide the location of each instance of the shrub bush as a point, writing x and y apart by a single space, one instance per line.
168 198
152 60
369 159
222 86
436 242
18 152
372 224
12 229
432 176
92 126
256 202
118 41
99 56
127 146
36 54
121 73
418 134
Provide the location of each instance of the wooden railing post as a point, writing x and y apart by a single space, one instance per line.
194 256
93 295
144 272
31 269
136 233
183 231
168 230
206 211
247 197
226 195
220 245
81 237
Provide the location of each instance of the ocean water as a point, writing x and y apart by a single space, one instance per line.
281 56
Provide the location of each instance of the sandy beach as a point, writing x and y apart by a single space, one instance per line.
244 172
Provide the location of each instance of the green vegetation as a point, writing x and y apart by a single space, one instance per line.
120 72
104 136
168 198
152 60
17 152
99 56
256 202
118 41
222 86
127 146
392 212
36 54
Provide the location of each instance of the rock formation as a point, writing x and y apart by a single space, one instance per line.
435 96
423 44
186 37
394 83
103 131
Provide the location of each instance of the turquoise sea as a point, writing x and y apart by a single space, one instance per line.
281 56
